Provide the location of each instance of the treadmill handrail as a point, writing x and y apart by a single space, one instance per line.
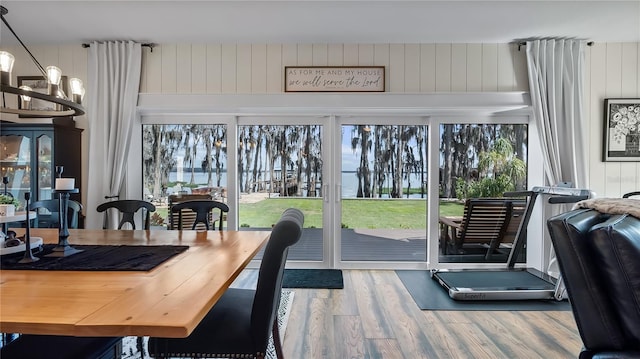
566 199
558 195
517 193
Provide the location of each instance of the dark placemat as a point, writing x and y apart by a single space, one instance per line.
97 258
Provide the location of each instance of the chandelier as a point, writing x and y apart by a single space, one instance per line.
62 105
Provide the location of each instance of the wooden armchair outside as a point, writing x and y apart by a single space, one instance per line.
518 208
485 222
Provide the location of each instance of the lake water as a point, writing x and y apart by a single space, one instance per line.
349 182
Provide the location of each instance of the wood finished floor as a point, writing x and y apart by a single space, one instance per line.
375 317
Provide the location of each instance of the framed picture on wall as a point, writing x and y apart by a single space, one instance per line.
334 79
39 84
621 129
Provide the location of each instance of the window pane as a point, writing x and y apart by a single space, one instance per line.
183 160
480 161
384 192
280 166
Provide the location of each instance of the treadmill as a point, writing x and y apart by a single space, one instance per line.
511 283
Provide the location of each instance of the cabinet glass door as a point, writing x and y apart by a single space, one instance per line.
15 164
44 167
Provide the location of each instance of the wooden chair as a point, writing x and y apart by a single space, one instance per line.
484 222
239 324
127 209
188 216
48 213
202 209
518 208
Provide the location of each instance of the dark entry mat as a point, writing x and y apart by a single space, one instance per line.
313 278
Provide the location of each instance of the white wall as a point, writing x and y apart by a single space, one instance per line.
258 68
612 70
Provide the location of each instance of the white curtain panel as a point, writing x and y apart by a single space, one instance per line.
114 80
556 78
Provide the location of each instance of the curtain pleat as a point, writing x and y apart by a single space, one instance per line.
114 79
556 77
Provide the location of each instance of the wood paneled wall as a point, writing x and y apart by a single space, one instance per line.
259 68
612 70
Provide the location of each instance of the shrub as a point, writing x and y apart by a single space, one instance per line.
499 170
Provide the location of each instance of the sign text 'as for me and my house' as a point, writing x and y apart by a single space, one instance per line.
334 79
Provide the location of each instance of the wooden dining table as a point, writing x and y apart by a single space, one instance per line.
167 301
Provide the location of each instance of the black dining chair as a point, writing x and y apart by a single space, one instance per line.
203 209
48 212
239 324
127 209
31 346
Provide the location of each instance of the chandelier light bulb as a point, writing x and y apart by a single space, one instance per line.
26 88
25 101
77 89
76 86
54 75
6 66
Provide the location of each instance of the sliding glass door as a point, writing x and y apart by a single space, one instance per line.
280 164
479 163
373 188
383 189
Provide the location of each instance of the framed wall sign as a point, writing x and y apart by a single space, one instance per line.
39 84
621 129
334 79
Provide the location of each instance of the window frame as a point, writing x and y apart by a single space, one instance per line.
436 109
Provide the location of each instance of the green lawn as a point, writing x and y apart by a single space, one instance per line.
356 213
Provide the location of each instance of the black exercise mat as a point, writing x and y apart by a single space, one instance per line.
97 258
430 295
313 278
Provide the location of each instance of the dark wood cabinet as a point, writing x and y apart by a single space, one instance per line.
29 154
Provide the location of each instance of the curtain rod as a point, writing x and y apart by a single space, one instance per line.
524 43
149 45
